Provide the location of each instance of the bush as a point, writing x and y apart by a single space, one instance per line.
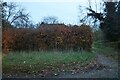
48 38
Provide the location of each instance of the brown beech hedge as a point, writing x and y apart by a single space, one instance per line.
54 37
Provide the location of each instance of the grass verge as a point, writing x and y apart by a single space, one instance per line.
34 62
106 49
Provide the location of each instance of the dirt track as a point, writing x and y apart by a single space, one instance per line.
109 71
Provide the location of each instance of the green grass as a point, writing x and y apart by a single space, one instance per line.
53 60
106 49
37 61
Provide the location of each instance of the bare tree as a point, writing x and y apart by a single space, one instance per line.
92 14
108 19
50 20
14 15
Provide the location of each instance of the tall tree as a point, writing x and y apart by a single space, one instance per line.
109 25
109 19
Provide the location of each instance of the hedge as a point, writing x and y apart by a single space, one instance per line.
48 38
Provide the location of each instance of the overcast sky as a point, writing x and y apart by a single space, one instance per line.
67 11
